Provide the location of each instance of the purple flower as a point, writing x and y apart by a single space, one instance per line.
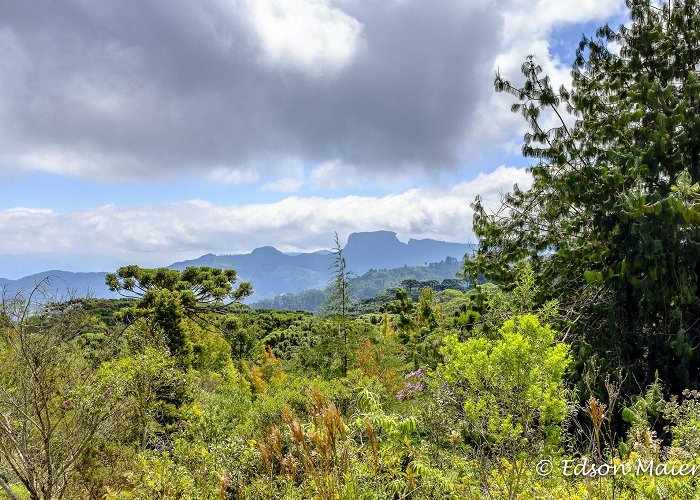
413 385
181 425
67 404
416 373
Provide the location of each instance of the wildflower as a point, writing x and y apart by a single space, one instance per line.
416 373
412 385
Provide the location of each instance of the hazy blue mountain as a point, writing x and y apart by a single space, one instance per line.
272 272
383 250
13 266
61 284
16 266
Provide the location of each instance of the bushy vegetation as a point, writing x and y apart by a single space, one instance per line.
454 399
573 356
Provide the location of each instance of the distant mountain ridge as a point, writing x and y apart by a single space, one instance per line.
272 272
383 250
61 285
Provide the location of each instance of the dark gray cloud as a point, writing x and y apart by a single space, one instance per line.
134 88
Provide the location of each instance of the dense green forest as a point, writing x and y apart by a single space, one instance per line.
569 370
375 287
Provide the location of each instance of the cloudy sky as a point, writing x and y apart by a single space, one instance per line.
149 131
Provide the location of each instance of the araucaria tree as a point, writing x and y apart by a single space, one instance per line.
611 224
166 297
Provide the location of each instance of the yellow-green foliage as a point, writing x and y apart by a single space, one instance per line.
473 425
512 387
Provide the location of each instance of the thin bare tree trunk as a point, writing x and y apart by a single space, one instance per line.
7 489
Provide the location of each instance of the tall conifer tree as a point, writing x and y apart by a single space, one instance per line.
611 224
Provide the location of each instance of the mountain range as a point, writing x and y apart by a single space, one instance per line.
270 271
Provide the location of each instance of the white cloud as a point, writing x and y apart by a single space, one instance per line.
289 176
310 35
284 185
158 235
335 175
541 15
527 31
232 176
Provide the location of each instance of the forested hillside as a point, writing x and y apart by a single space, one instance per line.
568 369
367 286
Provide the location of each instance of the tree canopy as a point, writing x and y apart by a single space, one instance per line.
611 224
201 285
166 297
